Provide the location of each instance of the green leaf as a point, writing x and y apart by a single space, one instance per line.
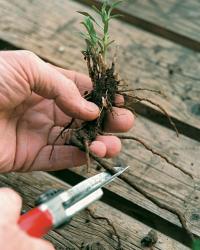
83 23
103 8
113 6
196 245
88 15
83 35
100 43
89 26
86 26
115 16
110 43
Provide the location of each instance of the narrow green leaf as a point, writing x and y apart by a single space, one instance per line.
85 25
101 45
196 245
83 35
86 14
103 8
89 26
115 16
110 43
113 6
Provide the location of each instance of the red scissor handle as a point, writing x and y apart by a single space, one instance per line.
36 222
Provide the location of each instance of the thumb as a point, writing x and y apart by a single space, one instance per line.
10 205
48 82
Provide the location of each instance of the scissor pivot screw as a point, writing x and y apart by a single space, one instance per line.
47 196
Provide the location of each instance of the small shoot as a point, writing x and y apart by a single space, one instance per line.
98 44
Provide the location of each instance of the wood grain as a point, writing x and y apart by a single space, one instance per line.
83 229
50 30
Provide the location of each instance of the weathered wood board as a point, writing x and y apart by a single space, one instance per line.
83 229
51 30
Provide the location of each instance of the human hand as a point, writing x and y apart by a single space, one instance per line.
37 100
12 237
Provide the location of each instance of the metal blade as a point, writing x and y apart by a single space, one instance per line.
88 186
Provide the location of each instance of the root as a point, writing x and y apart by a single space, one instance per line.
143 89
96 217
150 197
158 106
87 155
61 135
127 137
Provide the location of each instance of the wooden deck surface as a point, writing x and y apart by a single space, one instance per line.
49 28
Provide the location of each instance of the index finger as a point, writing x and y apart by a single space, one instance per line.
82 81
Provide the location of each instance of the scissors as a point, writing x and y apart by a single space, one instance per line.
56 207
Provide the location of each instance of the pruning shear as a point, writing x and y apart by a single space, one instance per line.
56 207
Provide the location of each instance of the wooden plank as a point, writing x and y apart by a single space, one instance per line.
88 230
176 20
50 29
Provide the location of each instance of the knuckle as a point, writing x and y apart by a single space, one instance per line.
28 53
28 56
30 64
18 53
